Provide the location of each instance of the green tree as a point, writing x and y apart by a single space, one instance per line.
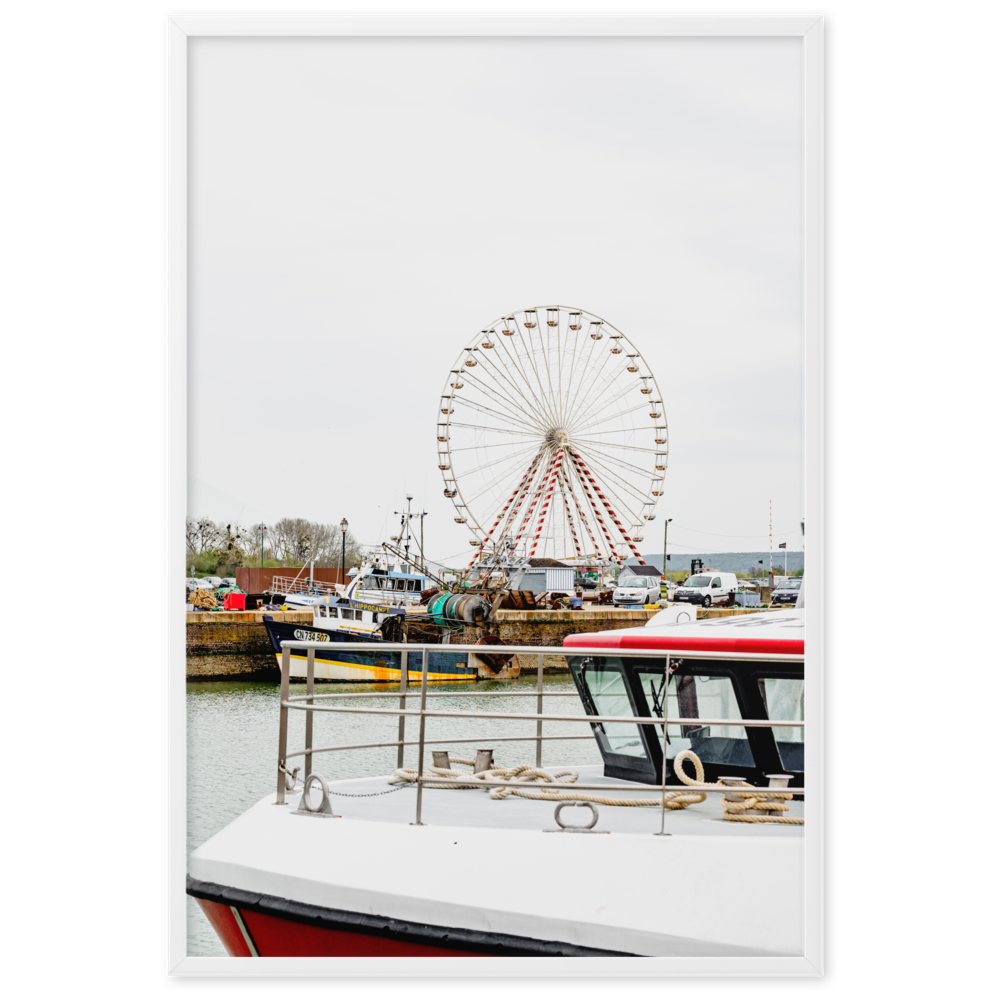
204 563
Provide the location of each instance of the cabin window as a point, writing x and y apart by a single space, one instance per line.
412 584
610 697
784 698
693 697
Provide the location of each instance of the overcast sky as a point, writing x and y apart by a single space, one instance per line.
361 207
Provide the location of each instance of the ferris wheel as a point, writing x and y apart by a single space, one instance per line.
552 438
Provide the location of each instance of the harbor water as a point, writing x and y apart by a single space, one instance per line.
232 748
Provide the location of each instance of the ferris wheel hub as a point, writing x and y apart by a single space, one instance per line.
557 437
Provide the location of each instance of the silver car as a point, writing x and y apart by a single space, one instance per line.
634 588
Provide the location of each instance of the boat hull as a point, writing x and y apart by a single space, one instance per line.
335 660
251 925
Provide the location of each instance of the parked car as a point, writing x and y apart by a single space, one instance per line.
707 588
228 581
584 583
208 582
192 583
787 593
637 585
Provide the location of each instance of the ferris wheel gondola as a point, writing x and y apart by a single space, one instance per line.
550 442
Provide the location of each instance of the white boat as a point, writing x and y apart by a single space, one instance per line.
454 871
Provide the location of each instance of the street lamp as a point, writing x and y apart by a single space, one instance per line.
343 549
666 522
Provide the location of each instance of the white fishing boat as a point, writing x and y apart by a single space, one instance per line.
691 845
374 606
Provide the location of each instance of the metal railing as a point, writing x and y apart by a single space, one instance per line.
307 703
299 585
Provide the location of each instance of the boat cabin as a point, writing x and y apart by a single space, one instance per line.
707 687
388 586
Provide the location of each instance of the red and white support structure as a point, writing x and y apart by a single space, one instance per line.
587 477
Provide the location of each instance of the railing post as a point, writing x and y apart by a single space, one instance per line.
538 710
310 674
404 671
286 665
663 791
423 722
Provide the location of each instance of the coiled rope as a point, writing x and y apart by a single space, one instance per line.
765 803
737 806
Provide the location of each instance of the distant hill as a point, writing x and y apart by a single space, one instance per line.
727 562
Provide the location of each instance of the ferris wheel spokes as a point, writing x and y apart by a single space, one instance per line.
582 407
540 405
571 401
586 474
484 427
549 486
601 415
621 482
534 494
569 522
596 512
579 400
551 407
484 388
595 447
568 489
517 492
537 408
524 492
622 506
591 478
526 427
511 458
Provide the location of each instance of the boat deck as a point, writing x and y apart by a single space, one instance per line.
474 808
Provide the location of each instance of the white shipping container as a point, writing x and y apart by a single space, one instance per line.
559 578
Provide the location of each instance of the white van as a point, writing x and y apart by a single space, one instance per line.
707 588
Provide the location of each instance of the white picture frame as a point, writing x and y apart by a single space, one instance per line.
180 31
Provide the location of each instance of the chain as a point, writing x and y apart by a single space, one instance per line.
346 795
369 795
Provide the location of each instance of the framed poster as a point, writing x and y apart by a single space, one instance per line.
585 230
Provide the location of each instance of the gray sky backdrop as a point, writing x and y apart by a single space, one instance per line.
361 207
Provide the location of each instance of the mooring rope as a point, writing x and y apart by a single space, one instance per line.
737 805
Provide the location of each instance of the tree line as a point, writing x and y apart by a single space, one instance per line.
292 541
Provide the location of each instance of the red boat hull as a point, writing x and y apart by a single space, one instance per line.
253 925
274 937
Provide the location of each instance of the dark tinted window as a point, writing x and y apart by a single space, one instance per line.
696 698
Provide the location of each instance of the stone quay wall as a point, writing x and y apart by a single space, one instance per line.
234 645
